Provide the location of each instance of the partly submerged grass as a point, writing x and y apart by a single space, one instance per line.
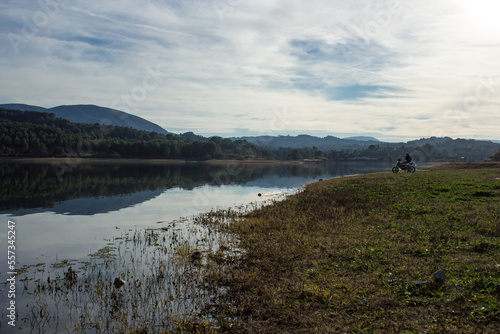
349 255
162 274
346 255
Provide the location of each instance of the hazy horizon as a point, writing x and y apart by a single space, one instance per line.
321 134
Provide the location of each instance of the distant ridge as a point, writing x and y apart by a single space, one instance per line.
92 114
302 141
23 107
362 138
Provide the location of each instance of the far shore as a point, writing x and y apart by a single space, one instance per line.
78 160
134 161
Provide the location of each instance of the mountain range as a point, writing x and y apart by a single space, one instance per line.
92 114
301 141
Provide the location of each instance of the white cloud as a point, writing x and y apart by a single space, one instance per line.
389 68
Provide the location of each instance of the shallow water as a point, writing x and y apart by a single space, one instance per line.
66 217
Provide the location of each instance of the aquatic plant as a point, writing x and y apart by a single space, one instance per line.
161 281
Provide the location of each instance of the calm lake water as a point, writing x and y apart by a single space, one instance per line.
67 214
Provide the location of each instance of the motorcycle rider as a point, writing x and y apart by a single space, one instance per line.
407 161
403 164
408 158
406 165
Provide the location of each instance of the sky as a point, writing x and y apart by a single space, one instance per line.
393 69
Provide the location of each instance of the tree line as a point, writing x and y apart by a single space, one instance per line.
40 134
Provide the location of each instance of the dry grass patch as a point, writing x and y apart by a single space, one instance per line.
358 254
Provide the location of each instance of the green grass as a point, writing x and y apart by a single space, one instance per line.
346 255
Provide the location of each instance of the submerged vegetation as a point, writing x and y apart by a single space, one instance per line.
373 253
146 281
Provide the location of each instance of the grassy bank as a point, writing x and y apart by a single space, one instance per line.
358 254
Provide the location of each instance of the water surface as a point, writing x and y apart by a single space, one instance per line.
67 217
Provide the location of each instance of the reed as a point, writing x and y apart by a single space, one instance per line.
163 271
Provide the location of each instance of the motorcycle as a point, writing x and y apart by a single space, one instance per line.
409 167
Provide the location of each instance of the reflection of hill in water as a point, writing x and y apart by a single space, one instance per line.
94 205
99 188
293 176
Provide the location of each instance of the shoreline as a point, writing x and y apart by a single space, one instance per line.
79 160
346 254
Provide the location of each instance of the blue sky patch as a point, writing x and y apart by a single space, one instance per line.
355 92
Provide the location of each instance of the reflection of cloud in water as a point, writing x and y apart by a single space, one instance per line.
275 181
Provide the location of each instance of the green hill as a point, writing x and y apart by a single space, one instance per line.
41 134
92 114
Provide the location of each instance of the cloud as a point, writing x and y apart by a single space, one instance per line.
348 60
335 66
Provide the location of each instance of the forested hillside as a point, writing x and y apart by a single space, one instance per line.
92 114
40 134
